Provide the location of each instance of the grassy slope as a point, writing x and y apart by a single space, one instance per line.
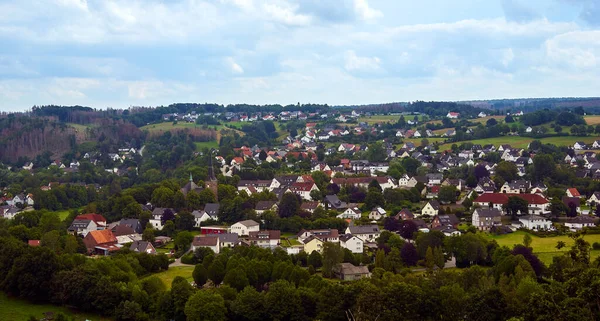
20 310
543 247
522 142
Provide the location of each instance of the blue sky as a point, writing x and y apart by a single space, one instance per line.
105 53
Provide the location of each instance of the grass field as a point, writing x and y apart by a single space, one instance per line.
522 142
167 276
211 144
417 141
483 120
20 310
382 119
543 247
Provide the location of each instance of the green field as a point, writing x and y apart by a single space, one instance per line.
211 144
167 276
543 247
522 142
20 310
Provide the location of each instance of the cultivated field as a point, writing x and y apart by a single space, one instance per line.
592 120
543 247
522 142
483 120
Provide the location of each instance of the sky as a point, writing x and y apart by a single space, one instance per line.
108 53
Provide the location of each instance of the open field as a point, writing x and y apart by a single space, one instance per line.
543 247
522 142
14 309
483 120
417 141
211 144
592 119
167 276
382 119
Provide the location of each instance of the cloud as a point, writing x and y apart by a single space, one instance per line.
516 10
507 57
234 66
363 10
361 64
580 49
286 15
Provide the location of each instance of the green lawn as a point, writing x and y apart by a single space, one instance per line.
20 310
165 126
543 247
382 118
167 276
211 144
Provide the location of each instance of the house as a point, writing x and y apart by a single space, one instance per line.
350 272
573 192
538 204
535 223
200 216
208 241
350 213
304 189
101 242
333 202
377 213
352 243
453 115
594 199
434 179
596 144
97 218
431 208
579 222
403 181
244 228
265 239
313 243
142 247
485 219
481 115
212 209
579 146
325 235
528 129
404 214
82 227
444 221
227 240
263 206
309 206
190 186
132 225
367 233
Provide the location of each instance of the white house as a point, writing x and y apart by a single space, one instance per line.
481 115
352 243
265 239
431 208
535 222
351 213
403 181
244 228
485 219
528 129
453 115
579 222
596 144
210 241
377 213
579 146
367 233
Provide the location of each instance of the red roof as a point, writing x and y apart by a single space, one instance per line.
91 216
238 160
500 198
304 187
574 192
34 242
359 180
435 189
102 236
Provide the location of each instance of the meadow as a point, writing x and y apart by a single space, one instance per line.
174 271
523 142
544 247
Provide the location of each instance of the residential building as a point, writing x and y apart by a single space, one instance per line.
431 208
350 272
142 247
208 241
266 239
535 223
579 222
352 243
367 233
243 228
484 219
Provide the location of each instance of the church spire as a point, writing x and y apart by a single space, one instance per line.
191 179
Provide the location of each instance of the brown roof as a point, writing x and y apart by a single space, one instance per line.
349 268
205 240
34 242
101 237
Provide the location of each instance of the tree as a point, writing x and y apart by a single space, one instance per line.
332 256
543 166
200 275
447 194
289 205
409 254
193 200
408 229
491 122
429 260
163 197
316 195
560 245
438 257
527 240
207 196
315 259
249 305
262 155
185 221
148 234
236 278
508 171
205 305
480 172
183 240
216 272
509 119
283 302
516 205
374 198
376 152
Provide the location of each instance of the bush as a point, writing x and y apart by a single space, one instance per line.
596 246
189 258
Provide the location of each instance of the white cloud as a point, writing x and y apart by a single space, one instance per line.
363 10
579 49
234 67
361 64
286 14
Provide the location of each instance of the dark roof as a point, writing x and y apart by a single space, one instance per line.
140 246
211 240
264 205
350 269
581 220
228 238
335 202
482 212
364 229
448 219
133 223
212 208
79 224
346 237
248 223
434 204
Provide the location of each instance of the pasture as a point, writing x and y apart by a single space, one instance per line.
174 271
15 309
523 142
543 247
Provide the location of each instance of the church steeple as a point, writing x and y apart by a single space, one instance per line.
191 179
